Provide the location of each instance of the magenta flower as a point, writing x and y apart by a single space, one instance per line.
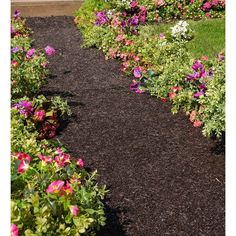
206 6
62 159
25 108
80 163
16 14
197 65
23 166
133 4
134 20
74 210
135 86
55 187
199 94
14 63
50 51
39 115
137 72
30 52
23 157
101 18
45 159
14 230
67 188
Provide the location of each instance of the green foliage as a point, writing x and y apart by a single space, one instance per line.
213 114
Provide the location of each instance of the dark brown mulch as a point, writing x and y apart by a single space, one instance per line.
164 177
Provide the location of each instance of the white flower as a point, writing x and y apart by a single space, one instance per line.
181 29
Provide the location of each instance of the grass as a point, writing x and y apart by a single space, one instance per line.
209 35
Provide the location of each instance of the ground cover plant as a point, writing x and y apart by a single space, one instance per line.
165 64
51 192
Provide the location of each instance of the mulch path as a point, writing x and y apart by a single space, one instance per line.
164 176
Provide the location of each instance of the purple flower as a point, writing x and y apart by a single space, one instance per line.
30 53
49 50
16 49
137 72
25 108
193 76
101 18
136 87
198 94
210 72
221 57
16 14
134 20
162 36
197 65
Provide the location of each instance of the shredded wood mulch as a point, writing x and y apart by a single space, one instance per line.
164 177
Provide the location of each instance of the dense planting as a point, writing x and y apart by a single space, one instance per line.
161 64
52 193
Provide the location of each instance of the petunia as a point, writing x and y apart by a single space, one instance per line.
55 187
137 72
50 51
134 20
14 230
197 65
80 163
23 166
30 52
62 159
198 94
193 115
74 210
15 49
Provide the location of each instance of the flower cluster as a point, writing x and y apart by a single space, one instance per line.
181 30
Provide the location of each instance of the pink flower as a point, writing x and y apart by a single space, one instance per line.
45 159
39 115
74 210
176 88
75 180
207 6
162 36
14 63
208 15
136 58
205 58
120 37
30 53
23 157
50 51
133 4
160 3
197 123
193 115
80 163
55 187
67 188
14 230
172 95
128 42
137 72
23 166
192 1
62 159
112 52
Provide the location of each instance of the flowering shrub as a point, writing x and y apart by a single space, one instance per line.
181 31
55 195
52 193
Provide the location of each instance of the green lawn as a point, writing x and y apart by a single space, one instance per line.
209 35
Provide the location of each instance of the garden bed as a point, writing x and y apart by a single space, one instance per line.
164 177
